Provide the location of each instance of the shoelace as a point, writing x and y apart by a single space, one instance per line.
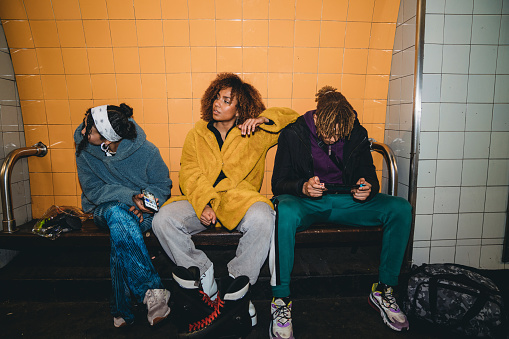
282 314
206 299
206 321
389 299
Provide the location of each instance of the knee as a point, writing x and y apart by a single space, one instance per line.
288 216
113 209
262 215
161 219
166 220
403 207
402 211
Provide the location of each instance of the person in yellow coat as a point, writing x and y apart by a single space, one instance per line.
222 168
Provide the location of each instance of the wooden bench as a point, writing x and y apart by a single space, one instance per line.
91 236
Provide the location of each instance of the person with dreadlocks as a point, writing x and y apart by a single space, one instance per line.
329 146
222 170
115 162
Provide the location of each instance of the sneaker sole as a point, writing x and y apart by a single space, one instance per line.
277 336
157 320
374 303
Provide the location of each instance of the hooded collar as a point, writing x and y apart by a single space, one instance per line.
125 149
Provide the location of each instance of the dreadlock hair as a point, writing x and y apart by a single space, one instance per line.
249 100
334 114
119 120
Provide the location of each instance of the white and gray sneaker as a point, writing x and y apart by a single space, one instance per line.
119 322
157 305
281 324
382 299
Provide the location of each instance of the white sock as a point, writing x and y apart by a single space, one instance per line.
208 283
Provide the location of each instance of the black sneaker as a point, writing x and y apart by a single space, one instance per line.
230 317
189 302
224 283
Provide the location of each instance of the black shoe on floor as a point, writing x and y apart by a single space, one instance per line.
189 302
230 317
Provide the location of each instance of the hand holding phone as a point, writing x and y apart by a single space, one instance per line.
149 200
340 188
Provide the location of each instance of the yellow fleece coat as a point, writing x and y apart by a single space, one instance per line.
242 159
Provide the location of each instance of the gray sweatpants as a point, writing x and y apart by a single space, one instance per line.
175 223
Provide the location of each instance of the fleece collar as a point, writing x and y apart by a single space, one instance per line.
125 149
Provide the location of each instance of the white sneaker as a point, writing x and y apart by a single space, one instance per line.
157 305
381 299
281 324
119 322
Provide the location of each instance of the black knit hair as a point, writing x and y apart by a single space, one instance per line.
334 114
249 100
119 120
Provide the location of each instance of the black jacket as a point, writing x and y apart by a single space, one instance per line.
294 162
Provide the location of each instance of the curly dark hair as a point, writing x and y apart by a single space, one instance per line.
332 109
119 120
249 100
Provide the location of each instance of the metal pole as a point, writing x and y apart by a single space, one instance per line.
40 150
392 167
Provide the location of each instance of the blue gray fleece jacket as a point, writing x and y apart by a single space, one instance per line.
137 165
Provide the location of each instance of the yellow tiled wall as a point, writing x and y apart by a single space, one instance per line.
160 55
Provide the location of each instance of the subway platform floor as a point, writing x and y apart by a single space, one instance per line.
345 317
65 295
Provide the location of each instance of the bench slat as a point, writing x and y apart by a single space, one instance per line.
91 236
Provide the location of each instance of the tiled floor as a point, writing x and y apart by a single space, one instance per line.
65 295
313 318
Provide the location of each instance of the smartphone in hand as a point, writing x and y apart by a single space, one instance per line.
149 200
340 188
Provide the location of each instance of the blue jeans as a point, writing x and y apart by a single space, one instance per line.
130 265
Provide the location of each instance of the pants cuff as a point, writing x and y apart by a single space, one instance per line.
280 291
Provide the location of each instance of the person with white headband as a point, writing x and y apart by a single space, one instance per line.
115 162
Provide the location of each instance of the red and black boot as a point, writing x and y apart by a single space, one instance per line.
189 302
230 317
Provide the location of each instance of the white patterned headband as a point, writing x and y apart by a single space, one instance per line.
102 123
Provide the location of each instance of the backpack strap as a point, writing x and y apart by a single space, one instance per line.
479 303
433 292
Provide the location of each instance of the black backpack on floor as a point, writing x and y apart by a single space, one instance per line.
458 299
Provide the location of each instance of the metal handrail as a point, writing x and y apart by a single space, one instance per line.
40 150
390 160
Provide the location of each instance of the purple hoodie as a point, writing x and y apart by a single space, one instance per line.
323 166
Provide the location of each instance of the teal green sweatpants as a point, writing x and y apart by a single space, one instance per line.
295 214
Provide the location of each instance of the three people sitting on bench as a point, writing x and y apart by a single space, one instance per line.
222 169
329 146
115 161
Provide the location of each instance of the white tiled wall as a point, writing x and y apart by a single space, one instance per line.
463 169
398 131
12 137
